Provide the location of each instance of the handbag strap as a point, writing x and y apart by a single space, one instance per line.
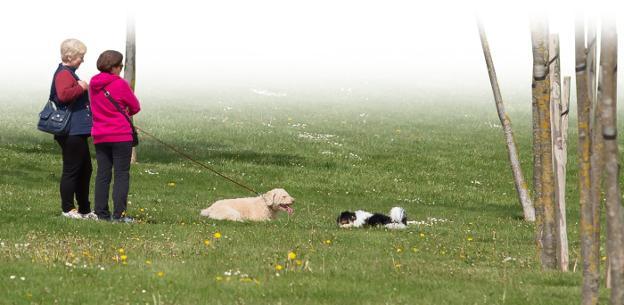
112 100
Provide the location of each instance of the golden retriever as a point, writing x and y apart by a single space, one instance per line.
259 208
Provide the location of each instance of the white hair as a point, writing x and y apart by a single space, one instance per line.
71 49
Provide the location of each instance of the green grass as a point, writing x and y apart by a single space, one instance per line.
332 152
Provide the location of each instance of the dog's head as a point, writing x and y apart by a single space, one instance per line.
346 219
279 199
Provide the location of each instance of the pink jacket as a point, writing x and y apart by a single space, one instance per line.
109 125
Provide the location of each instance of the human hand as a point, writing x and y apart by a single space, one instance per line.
83 84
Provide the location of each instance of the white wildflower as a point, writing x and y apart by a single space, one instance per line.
430 221
508 258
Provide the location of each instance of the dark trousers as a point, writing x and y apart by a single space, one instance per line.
76 173
112 157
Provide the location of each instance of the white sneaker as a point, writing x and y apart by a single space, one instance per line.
72 214
89 215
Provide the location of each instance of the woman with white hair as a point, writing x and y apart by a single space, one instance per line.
68 89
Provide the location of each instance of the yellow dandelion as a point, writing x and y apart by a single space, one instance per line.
328 242
399 250
171 184
604 258
217 235
148 262
414 249
121 251
422 235
123 258
219 278
298 262
279 267
160 273
207 242
142 210
469 238
292 255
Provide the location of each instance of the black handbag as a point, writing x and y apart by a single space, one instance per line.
55 118
135 136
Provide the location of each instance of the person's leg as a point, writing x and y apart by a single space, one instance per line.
104 157
122 153
71 170
84 178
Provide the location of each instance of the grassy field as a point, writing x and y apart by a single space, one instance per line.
444 162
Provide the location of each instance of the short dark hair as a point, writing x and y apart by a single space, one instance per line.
108 60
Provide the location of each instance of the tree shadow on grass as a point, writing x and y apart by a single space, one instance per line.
487 209
210 153
28 175
224 155
35 147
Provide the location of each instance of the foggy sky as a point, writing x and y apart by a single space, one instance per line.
193 44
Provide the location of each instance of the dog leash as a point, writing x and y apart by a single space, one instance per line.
183 154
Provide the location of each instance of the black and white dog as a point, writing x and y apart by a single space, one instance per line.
396 220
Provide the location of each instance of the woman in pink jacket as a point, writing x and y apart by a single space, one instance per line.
112 135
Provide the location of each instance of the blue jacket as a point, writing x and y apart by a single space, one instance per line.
81 121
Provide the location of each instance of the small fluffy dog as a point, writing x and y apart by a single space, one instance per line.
396 220
259 208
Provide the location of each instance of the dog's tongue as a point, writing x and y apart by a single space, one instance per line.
289 210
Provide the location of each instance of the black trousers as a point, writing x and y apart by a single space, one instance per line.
77 171
112 157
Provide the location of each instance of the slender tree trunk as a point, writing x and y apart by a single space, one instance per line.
130 65
558 158
541 93
615 220
521 187
590 269
537 166
596 157
565 110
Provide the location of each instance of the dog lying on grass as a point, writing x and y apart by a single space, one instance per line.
396 220
261 208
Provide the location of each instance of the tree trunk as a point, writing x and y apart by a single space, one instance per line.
596 157
565 110
537 169
558 151
521 187
608 100
130 65
541 95
590 269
